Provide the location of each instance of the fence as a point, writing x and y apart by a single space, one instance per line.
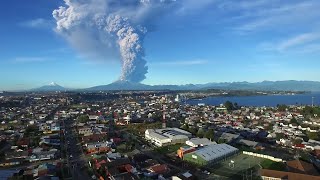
263 156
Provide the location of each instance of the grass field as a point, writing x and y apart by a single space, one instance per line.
168 149
242 165
268 164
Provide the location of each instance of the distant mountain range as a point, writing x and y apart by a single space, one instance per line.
50 87
290 85
265 86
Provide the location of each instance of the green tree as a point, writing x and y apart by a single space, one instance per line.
216 115
185 127
193 130
311 111
313 135
83 118
279 136
200 133
294 121
31 131
297 141
282 107
221 141
236 106
209 134
229 105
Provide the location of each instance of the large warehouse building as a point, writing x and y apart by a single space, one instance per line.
167 136
210 154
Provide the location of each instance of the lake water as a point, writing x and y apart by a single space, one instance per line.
270 100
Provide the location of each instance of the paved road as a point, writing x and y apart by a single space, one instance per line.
76 158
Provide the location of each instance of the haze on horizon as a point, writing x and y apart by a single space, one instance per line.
157 42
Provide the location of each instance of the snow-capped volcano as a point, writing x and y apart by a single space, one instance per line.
53 84
50 87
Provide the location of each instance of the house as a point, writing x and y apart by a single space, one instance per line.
114 155
98 147
16 155
299 146
94 138
297 170
85 131
23 142
50 141
228 137
43 155
297 166
184 176
116 140
44 127
143 161
45 169
267 174
55 127
248 143
158 169
117 169
93 117
11 162
41 116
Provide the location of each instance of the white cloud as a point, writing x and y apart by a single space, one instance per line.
303 43
37 23
280 15
298 40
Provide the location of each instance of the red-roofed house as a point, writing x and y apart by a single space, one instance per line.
158 168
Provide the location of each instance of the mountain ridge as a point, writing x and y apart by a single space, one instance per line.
50 87
289 85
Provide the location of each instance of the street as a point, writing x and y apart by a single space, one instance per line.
75 157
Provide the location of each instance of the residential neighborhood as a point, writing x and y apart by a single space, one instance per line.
154 135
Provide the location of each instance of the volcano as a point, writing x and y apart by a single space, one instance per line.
122 85
50 87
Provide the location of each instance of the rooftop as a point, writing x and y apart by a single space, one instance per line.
215 151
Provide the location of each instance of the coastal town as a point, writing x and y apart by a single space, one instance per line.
153 135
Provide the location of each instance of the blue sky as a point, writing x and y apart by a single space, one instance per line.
207 41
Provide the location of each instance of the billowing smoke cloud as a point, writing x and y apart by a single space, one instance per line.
111 30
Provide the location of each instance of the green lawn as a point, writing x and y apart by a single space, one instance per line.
122 148
268 164
168 149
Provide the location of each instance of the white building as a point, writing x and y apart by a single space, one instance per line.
211 154
196 142
167 136
177 99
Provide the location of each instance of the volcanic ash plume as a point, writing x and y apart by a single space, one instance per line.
130 43
109 30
